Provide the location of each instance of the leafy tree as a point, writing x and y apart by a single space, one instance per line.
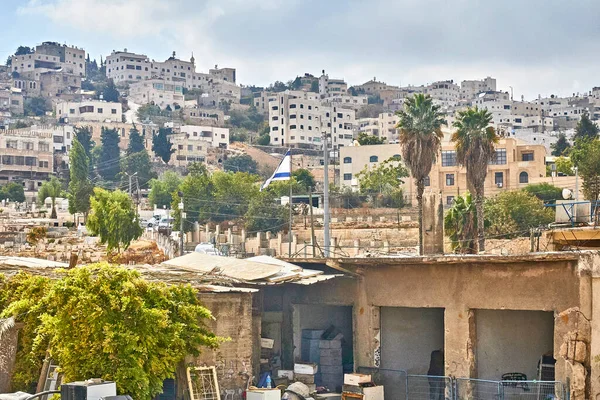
52 189
249 119
562 146
585 129
278 86
374 99
233 192
544 191
384 178
84 136
420 137
460 224
264 140
13 192
110 92
161 144
198 197
314 86
23 50
9 61
138 164
513 213
365 139
564 167
243 163
264 214
136 141
139 335
80 185
147 111
36 106
345 197
238 135
108 166
586 157
161 189
87 85
475 140
114 219
305 178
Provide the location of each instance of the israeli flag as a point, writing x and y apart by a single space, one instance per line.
283 171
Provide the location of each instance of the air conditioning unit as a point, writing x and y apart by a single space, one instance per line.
499 184
92 389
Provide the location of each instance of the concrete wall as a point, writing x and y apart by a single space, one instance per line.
8 352
233 358
512 341
408 336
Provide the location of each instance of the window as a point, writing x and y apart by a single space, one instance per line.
523 177
499 179
301 105
527 156
11 144
292 126
28 146
198 148
43 146
427 181
373 159
113 111
292 116
180 147
190 147
43 164
448 158
347 160
100 111
347 177
499 157
292 106
449 179
449 200
72 111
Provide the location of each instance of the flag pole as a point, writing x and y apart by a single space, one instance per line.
291 214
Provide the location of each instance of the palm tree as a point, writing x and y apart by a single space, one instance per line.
52 189
475 141
420 128
460 224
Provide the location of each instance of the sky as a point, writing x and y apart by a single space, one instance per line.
539 47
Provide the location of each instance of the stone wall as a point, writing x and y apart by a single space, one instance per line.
8 351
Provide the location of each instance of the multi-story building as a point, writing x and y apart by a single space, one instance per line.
50 56
515 163
471 88
192 143
262 100
213 136
373 87
445 93
347 101
26 156
331 87
384 126
11 101
299 120
123 66
157 91
224 74
59 84
89 110
204 116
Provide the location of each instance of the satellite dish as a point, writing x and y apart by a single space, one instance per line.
567 194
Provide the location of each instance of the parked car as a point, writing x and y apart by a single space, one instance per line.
207 248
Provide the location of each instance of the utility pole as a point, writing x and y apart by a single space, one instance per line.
181 218
130 176
291 213
326 239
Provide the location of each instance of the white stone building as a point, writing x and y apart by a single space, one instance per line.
50 56
157 91
331 87
89 110
471 88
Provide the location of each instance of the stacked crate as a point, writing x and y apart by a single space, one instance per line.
331 371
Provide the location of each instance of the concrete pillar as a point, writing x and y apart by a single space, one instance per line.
217 231
356 246
229 236
367 328
386 247
460 341
196 232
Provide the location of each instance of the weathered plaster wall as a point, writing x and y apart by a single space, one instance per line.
408 336
512 341
8 351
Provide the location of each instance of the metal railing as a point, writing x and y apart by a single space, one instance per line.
402 386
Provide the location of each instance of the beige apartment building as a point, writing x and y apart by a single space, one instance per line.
89 110
516 164
157 91
50 56
471 88
11 101
26 156
384 126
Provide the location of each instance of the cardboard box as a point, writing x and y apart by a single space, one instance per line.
305 378
330 344
266 343
286 373
356 379
305 368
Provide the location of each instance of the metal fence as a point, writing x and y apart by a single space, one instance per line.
402 386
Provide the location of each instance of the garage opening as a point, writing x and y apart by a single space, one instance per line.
323 335
409 336
514 342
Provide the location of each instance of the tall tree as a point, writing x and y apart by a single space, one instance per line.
586 157
420 127
243 163
108 164
52 189
562 146
161 144
460 224
265 214
84 136
137 164
586 129
13 192
80 185
475 141
162 189
233 192
305 178
110 92
136 141
114 219
198 197
364 139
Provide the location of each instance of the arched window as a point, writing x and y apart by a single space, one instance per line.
523 177
347 160
373 159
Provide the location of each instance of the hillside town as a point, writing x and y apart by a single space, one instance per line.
168 232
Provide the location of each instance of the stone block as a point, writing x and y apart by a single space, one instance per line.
330 344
